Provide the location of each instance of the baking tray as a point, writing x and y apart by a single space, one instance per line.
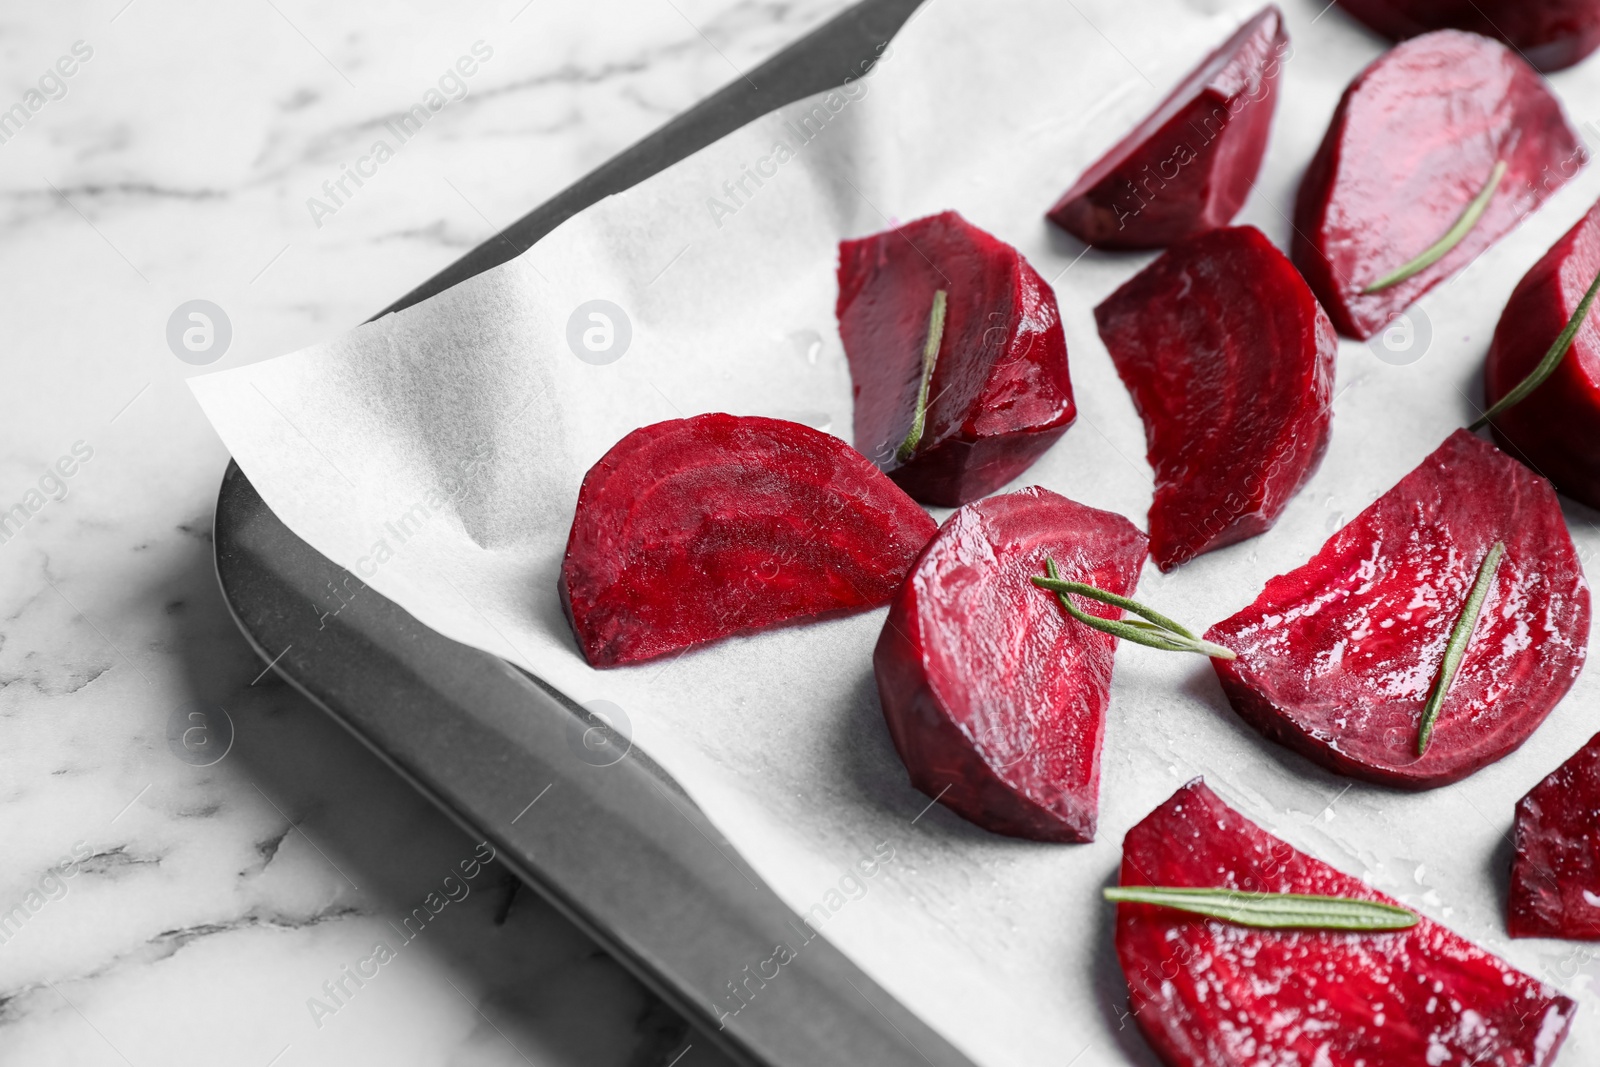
575 811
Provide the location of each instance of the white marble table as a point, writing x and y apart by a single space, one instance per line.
153 910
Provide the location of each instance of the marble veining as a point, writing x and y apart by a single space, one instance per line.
155 907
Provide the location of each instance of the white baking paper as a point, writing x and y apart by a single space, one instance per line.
437 453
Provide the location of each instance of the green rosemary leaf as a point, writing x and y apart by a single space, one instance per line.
930 356
1552 359
1440 248
1272 910
1456 648
1158 632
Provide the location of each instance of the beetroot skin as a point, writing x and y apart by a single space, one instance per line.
1556 428
1557 864
1000 393
694 529
995 697
1336 658
1189 166
1413 142
1550 34
1210 994
1230 363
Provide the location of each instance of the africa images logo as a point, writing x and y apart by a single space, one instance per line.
198 332
450 87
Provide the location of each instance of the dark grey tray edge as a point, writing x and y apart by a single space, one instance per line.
843 47
828 1009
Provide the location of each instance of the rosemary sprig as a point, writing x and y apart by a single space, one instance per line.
1547 366
1440 248
930 356
1158 632
1456 648
1272 910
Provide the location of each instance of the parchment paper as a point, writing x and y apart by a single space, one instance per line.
437 453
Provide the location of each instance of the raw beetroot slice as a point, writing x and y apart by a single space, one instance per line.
1210 994
1000 394
1415 139
994 696
1230 363
1556 870
1189 166
694 529
1550 34
1555 428
1337 658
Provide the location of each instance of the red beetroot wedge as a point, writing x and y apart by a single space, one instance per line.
1337 658
694 529
1556 428
1210 994
1556 869
1550 34
1189 166
994 696
1415 140
999 394
1230 363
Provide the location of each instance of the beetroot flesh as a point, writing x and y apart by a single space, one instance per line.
1414 140
1556 428
694 529
995 697
1556 868
1230 362
1550 34
1210 994
1336 658
1189 166
1000 393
